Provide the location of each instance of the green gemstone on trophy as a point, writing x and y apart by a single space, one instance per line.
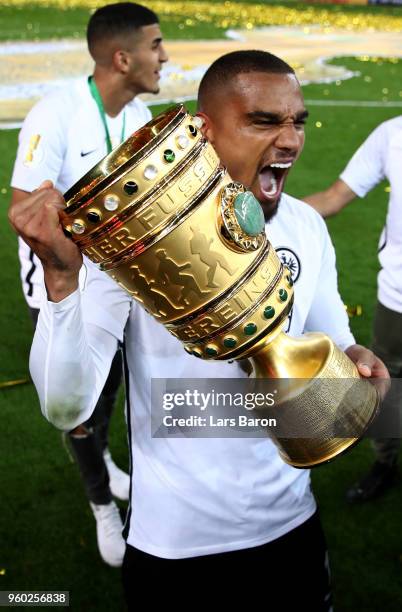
210 350
249 213
230 342
269 312
169 156
250 329
283 295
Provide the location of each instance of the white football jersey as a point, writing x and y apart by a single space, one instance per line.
189 496
379 157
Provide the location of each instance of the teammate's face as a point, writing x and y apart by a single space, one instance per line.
258 131
145 60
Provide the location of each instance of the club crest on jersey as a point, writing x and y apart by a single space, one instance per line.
34 153
291 260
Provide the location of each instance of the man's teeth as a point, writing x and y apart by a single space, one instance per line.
278 165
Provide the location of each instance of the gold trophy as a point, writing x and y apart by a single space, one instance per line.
163 218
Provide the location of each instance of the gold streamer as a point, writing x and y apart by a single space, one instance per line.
13 383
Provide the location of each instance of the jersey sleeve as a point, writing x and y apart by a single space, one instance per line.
41 145
73 347
147 114
366 168
327 312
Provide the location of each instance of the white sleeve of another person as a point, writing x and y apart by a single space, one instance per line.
41 145
366 168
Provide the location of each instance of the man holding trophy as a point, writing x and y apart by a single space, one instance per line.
209 504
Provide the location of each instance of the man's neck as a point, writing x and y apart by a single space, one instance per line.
114 95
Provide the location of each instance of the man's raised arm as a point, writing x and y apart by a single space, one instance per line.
332 200
75 340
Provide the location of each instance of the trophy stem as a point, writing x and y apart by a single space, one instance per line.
322 405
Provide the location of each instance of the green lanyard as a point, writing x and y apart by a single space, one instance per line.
97 97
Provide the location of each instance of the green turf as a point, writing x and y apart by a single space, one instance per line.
378 79
47 535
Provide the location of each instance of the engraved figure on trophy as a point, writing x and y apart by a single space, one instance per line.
159 301
170 272
199 245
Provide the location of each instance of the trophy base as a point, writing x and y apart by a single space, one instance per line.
305 453
323 407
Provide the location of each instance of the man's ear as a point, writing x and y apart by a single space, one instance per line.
121 61
207 128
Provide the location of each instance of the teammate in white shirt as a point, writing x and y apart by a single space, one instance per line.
379 157
63 136
203 509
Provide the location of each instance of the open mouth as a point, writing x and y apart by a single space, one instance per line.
271 178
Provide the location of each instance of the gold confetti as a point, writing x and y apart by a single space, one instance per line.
3 571
318 124
354 311
377 60
244 15
387 189
3 190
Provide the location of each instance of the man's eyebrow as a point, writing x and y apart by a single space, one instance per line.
264 115
274 117
303 115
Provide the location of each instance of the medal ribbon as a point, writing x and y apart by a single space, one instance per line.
97 97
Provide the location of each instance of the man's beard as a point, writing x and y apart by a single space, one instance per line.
271 212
